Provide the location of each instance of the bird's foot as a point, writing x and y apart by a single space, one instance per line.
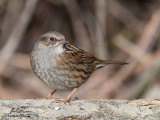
65 100
49 96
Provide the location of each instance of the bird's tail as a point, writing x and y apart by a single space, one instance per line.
114 62
102 63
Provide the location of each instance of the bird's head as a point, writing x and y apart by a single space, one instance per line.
50 39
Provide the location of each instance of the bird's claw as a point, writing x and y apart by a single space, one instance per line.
66 100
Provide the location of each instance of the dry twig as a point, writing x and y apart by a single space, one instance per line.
17 33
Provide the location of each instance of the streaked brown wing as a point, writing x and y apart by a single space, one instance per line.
77 55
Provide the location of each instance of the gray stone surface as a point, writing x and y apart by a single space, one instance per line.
42 109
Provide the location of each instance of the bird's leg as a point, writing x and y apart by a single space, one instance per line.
50 95
68 98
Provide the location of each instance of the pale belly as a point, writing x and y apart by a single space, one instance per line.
44 67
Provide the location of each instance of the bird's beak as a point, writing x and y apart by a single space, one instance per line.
62 42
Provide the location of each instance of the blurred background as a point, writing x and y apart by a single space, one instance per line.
122 30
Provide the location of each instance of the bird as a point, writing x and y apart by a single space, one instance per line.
62 66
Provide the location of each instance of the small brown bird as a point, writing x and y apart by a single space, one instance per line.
61 65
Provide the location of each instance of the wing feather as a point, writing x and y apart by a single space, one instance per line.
77 55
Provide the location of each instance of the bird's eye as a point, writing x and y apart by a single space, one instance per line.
52 38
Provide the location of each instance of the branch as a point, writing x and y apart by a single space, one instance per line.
100 30
17 33
79 109
80 31
125 16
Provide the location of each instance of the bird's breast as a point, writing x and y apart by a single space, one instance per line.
55 71
42 62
